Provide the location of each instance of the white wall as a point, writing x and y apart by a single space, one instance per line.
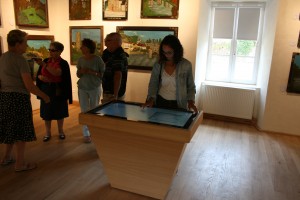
202 47
282 110
59 23
271 13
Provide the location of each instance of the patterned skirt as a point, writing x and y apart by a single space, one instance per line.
16 122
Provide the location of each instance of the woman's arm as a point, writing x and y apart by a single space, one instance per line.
53 71
154 81
26 77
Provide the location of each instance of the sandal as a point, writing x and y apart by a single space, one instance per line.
26 167
7 162
46 138
62 136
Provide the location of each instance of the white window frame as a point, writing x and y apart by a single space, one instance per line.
236 5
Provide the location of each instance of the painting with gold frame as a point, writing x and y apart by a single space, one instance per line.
142 44
80 9
115 9
38 46
78 33
161 9
33 13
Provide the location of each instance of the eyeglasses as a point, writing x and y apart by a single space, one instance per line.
52 50
168 52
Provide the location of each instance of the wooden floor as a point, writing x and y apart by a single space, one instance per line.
224 161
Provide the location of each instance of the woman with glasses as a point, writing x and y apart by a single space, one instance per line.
171 84
54 78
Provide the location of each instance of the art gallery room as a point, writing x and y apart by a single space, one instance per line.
244 141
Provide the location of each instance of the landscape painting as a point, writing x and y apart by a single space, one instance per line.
78 33
38 46
33 13
142 44
165 9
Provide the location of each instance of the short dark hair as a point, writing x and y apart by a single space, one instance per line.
15 36
116 36
174 43
90 44
57 45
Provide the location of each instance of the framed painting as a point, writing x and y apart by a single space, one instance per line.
78 33
298 44
38 46
33 13
164 9
115 9
142 44
294 76
80 9
0 45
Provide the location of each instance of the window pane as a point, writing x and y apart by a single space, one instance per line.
246 47
245 58
248 23
223 23
219 66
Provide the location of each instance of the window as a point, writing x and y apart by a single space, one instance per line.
234 45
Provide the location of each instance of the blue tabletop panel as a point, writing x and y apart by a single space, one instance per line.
135 112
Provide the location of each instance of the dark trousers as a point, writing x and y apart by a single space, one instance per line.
163 103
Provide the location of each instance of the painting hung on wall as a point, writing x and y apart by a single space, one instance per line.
115 9
78 33
298 45
142 44
165 9
32 13
38 46
294 76
0 46
79 9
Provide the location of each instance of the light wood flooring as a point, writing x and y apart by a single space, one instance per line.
225 161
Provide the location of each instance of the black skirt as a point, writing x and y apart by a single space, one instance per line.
16 123
58 107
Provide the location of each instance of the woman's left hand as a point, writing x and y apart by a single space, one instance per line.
191 105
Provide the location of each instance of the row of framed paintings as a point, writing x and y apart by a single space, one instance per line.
34 13
141 43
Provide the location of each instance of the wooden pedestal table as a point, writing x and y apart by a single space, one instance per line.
138 156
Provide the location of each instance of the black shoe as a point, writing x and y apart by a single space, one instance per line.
62 136
46 138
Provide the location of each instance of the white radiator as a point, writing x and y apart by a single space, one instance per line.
227 101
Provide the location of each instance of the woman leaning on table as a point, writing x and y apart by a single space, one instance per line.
16 122
171 84
54 78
